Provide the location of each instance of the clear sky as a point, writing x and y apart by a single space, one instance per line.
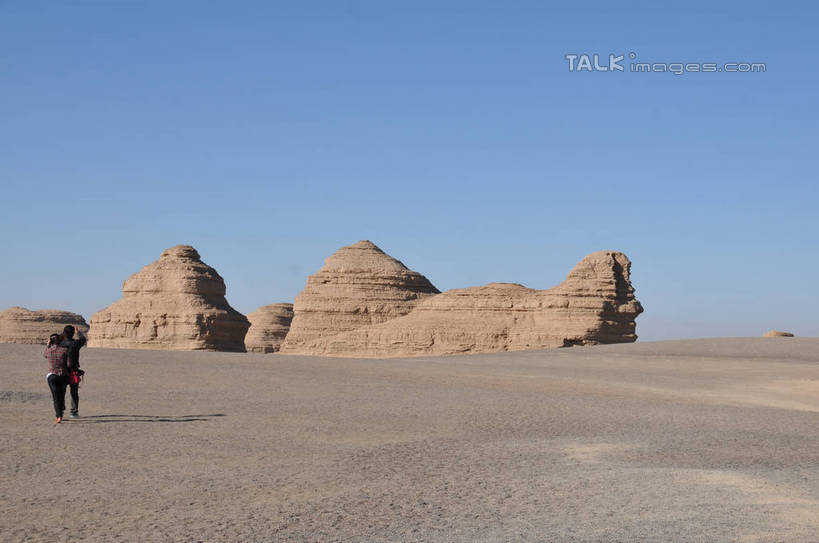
452 134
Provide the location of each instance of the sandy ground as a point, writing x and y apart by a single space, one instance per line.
709 440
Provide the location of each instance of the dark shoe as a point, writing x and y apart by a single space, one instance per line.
74 416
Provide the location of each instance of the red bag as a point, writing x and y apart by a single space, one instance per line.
74 378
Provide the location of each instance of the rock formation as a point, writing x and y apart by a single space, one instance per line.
777 333
21 325
177 302
358 286
595 304
268 327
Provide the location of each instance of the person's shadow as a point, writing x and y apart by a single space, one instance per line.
103 419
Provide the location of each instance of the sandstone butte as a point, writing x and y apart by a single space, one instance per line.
268 326
177 302
594 305
358 286
21 325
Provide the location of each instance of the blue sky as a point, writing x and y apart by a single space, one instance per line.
452 134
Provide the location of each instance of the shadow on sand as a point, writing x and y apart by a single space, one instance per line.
101 419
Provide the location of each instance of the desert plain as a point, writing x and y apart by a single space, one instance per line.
694 440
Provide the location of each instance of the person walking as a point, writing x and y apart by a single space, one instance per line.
57 377
73 346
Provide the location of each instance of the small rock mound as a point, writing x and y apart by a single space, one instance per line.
777 333
21 325
359 285
177 302
268 327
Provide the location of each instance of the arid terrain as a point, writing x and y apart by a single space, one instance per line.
697 440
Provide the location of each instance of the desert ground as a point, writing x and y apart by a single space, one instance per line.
696 440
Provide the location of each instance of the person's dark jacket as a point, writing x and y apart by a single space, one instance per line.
73 346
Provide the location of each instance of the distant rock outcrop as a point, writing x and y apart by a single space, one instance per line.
177 302
268 327
21 325
777 333
358 286
595 304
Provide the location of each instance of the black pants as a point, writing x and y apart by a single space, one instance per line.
57 384
75 399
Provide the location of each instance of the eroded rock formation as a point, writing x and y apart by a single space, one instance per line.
268 327
358 286
177 302
777 333
595 304
21 325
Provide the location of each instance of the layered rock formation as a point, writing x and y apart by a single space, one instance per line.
595 304
268 327
177 302
21 325
358 286
777 333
